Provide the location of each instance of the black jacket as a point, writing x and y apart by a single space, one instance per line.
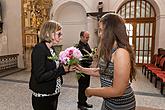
88 60
44 72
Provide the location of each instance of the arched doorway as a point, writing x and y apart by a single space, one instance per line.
72 16
140 20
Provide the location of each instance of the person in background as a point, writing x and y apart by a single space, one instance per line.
46 74
116 66
84 81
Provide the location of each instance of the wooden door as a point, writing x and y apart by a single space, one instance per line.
140 21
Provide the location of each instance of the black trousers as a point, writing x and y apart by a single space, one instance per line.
83 83
45 103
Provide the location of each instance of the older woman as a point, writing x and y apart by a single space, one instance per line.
46 74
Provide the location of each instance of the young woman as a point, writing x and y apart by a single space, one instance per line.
116 66
46 74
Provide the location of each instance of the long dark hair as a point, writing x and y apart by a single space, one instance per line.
114 30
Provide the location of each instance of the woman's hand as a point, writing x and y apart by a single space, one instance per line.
87 92
78 67
68 68
71 68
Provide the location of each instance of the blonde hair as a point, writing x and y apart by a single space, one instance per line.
47 29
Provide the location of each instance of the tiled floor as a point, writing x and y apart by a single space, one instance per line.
15 95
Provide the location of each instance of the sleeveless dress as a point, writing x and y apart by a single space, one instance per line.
124 102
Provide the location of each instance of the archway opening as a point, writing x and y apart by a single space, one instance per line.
141 16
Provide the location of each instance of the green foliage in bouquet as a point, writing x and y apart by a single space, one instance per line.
79 74
73 62
53 57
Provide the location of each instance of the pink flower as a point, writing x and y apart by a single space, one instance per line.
70 56
63 57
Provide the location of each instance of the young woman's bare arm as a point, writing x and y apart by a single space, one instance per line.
88 71
121 61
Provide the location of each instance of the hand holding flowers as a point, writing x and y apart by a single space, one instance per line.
69 57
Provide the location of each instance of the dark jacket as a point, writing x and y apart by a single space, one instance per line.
87 60
44 72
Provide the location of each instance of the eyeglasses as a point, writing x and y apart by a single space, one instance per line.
59 34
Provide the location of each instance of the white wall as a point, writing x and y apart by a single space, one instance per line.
3 36
72 16
12 29
160 25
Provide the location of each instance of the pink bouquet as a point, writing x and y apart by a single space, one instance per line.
70 56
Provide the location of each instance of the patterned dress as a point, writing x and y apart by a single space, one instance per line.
124 102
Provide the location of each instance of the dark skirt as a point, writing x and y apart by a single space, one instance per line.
45 103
